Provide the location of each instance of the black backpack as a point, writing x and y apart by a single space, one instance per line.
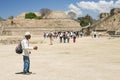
19 49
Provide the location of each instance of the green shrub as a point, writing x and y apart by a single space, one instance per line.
30 15
84 23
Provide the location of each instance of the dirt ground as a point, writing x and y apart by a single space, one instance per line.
87 59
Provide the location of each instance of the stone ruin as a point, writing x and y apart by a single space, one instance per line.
109 23
55 21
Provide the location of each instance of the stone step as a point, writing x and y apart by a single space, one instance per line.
38 27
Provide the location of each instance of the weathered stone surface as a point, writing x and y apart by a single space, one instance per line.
109 23
55 21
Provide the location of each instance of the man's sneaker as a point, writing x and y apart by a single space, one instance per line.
26 73
29 72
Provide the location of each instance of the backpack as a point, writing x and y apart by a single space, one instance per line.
19 49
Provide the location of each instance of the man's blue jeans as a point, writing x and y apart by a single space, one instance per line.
26 64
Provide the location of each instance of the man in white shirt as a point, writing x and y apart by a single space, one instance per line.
26 52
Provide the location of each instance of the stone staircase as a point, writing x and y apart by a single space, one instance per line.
55 21
107 24
37 27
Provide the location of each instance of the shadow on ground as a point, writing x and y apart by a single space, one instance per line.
23 73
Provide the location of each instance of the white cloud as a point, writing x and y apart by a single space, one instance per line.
87 5
101 6
75 9
104 6
117 4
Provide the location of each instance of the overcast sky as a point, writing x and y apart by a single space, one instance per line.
80 7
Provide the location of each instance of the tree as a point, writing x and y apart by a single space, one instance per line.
71 14
84 21
11 17
89 19
44 11
30 15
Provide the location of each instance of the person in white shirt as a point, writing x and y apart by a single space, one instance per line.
60 36
95 34
26 52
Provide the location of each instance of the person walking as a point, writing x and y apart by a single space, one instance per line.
81 34
68 37
51 38
26 51
95 34
60 36
74 37
64 37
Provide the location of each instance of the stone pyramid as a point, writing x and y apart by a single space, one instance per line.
55 21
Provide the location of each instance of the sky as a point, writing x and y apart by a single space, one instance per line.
80 7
